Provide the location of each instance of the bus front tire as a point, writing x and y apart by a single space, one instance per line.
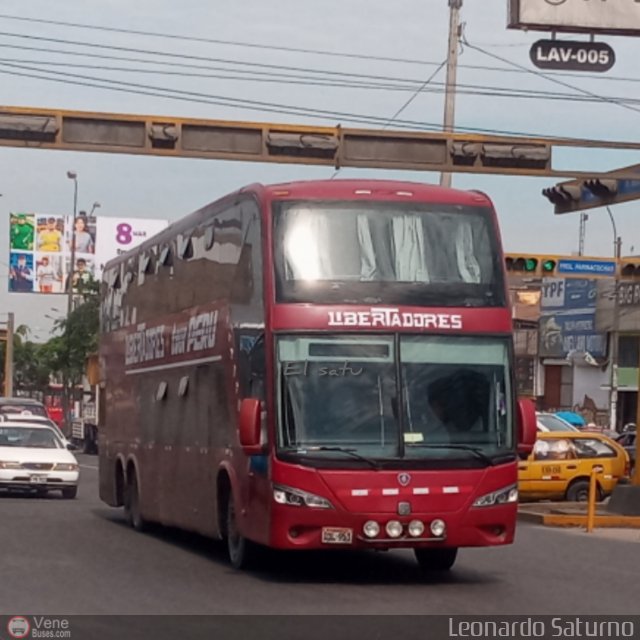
436 560
240 550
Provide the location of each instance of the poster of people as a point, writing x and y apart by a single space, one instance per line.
41 246
21 232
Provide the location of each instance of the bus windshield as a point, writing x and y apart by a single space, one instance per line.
417 398
390 252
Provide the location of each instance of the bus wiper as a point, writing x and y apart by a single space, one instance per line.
350 452
478 453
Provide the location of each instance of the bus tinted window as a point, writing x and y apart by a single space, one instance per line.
402 253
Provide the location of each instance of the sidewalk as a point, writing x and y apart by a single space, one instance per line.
574 514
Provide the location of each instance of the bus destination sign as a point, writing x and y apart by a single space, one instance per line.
572 55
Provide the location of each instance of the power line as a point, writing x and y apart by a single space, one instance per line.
551 79
319 52
403 85
254 105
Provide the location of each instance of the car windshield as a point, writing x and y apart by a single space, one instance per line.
391 252
553 423
23 409
386 398
29 437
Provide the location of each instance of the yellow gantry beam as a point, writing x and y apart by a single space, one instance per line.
282 143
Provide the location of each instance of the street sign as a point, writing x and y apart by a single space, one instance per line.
572 55
587 267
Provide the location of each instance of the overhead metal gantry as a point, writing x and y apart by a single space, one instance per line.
338 146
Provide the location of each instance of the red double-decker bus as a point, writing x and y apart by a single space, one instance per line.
316 365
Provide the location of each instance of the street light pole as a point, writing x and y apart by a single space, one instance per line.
452 71
615 326
8 357
72 175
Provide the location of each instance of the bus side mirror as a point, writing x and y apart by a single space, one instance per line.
249 425
527 426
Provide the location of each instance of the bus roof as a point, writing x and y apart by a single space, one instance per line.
345 189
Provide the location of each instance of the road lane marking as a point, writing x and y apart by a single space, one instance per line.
86 466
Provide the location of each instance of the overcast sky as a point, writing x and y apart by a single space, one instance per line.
414 30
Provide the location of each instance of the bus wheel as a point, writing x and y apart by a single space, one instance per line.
432 560
239 548
132 504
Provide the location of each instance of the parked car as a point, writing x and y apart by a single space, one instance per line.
552 422
24 406
33 457
627 439
560 465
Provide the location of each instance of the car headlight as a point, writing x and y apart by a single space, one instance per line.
299 498
65 466
501 496
10 465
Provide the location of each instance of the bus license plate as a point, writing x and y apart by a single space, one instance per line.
38 479
337 535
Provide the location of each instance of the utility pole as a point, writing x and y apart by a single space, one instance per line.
8 357
613 394
452 70
583 232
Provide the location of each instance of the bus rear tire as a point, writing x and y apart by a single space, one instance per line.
436 560
240 550
132 511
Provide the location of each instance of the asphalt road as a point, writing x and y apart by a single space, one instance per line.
63 557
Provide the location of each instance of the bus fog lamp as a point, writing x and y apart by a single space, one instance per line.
394 529
415 528
371 528
438 528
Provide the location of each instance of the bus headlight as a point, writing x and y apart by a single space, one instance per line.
438 528
394 529
415 528
501 496
371 528
298 498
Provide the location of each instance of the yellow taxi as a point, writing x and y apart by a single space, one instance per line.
560 464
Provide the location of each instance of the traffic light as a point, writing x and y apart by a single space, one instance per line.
602 188
563 195
578 195
531 264
630 268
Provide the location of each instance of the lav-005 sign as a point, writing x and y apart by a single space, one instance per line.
572 55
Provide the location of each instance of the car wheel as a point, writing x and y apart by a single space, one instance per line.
70 493
579 492
434 560
240 550
132 511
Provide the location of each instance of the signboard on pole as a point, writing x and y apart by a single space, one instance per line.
40 248
618 17
568 321
586 267
572 56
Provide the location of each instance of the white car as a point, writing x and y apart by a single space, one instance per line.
32 456
30 419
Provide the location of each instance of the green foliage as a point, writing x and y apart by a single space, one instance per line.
64 355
